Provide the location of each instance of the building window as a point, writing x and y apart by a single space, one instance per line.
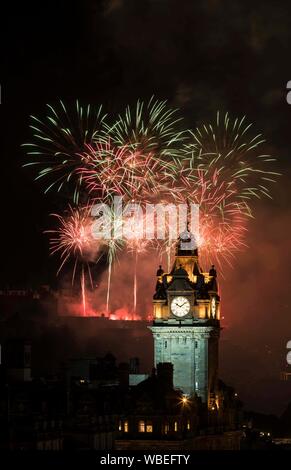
196 344
125 426
166 428
188 425
185 340
120 426
166 344
145 426
149 427
141 426
175 426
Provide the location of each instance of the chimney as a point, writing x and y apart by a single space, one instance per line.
17 359
123 374
134 365
165 373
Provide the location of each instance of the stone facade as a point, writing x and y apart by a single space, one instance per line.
193 353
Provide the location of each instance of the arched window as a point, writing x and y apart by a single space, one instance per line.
125 426
176 426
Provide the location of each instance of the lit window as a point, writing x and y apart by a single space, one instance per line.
175 426
149 427
125 426
188 425
120 426
141 426
166 428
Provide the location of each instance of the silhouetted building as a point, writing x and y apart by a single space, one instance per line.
162 417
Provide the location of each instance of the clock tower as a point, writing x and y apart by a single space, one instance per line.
186 322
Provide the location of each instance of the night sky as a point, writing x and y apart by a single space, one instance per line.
201 56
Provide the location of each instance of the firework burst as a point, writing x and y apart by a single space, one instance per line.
226 150
142 156
59 142
109 170
73 240
151 130
222 171
150 126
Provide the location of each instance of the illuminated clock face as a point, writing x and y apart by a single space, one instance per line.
180 306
